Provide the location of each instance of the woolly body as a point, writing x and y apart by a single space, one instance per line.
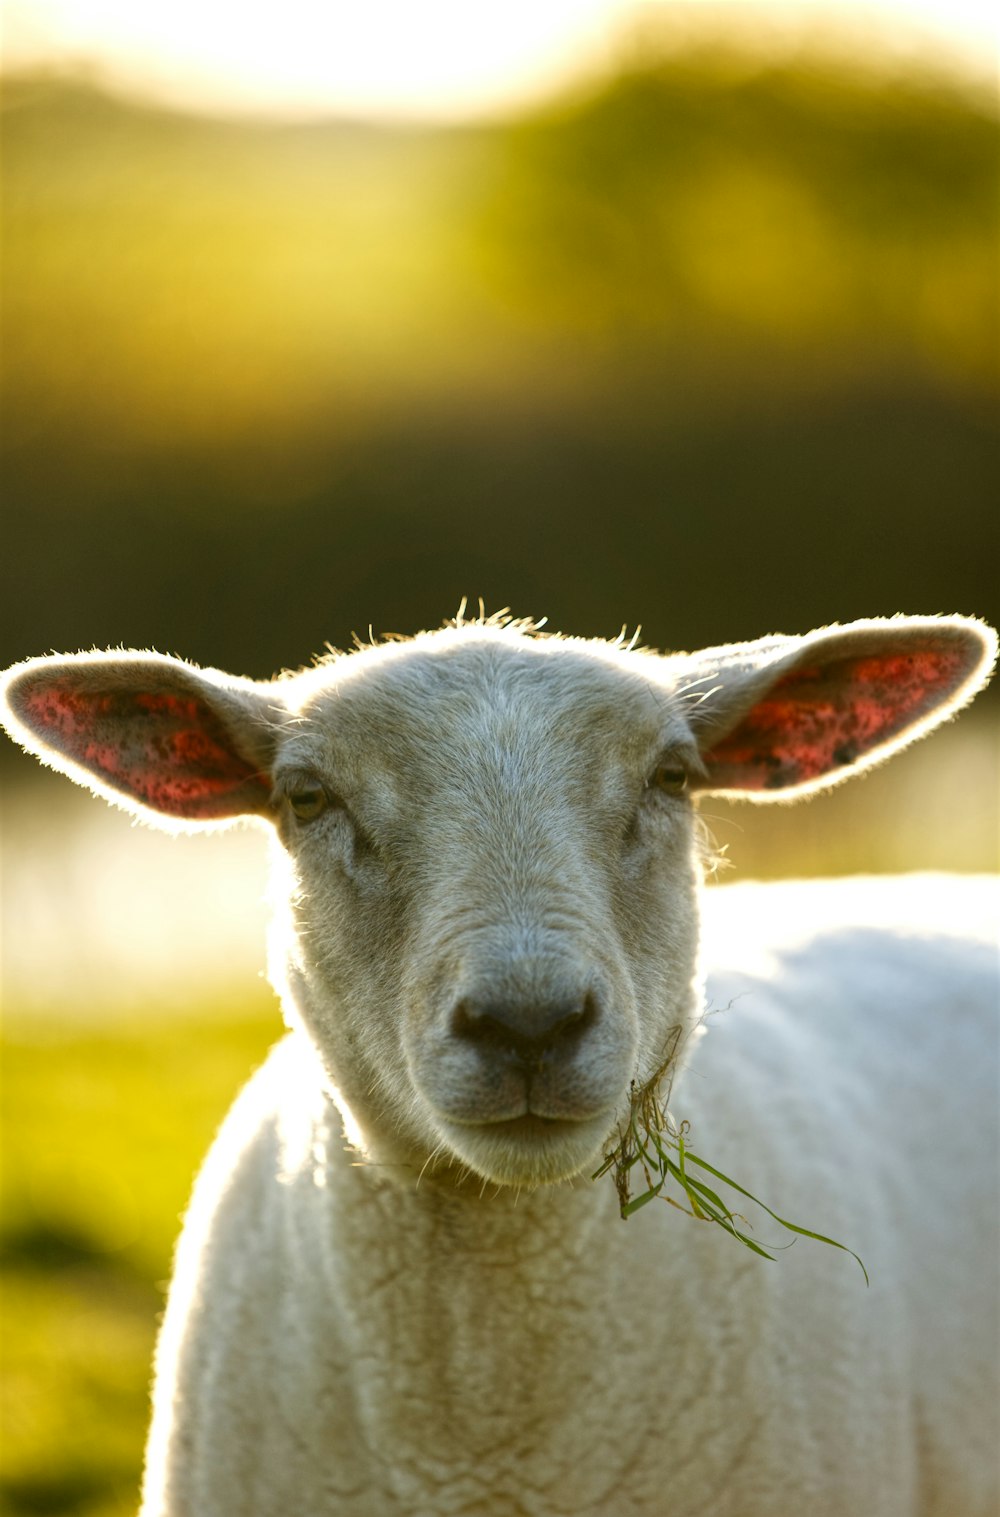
486 926
429 1353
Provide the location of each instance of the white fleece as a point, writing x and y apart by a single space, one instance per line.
428 1354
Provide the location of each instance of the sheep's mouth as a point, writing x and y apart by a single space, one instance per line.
529 1127
529 1149
507 1100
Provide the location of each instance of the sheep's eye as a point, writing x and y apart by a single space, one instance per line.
308 802
671 779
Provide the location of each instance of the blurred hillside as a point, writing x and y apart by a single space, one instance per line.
704 346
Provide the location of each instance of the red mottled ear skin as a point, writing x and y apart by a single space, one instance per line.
819 719
150 732
840 701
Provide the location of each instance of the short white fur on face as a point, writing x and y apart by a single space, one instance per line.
486 931
501 873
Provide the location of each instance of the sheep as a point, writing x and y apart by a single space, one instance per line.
397 1290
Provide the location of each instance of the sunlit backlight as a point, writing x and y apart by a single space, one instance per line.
441 57
383 56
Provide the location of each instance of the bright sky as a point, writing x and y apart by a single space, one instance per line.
436 57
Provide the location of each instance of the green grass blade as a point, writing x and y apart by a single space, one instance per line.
803 1232
653 1142
639 1201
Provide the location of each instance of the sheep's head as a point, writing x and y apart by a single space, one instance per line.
486 920
492 890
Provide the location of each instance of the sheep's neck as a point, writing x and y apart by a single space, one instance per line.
493 1343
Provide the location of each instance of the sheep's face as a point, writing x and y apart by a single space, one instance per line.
491 896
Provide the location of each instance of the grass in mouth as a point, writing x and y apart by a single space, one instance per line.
652 1142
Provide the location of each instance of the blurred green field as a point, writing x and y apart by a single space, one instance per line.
103 1129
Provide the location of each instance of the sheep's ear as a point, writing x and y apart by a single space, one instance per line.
178 745
785 716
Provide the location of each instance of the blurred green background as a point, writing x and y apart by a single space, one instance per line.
707 347
701 343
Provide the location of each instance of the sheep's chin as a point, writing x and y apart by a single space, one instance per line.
529 1150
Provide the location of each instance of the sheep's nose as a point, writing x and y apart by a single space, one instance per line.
527 1028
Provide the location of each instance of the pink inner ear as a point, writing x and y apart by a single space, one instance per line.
820 718
169 751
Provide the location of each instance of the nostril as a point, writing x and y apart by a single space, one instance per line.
526 1027
575 1021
